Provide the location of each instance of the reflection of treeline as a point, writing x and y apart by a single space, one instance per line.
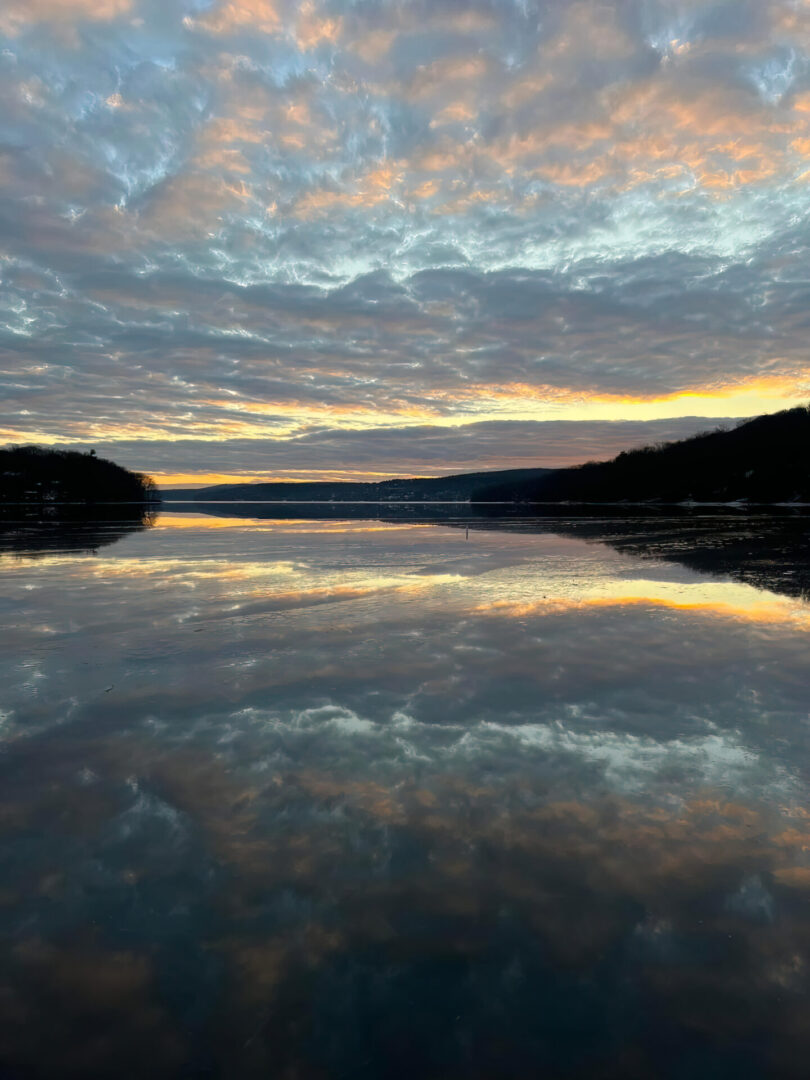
36 474
36 530
764 460
759 547
457 488
763 549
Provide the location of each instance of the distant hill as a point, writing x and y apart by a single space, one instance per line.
36 475
765 460
419 489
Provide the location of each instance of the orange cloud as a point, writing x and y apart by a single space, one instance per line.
16 13
228 15
425 190
374 45
524 89
636 133
450 408
313 29
368 190
590 27
454 113
195 202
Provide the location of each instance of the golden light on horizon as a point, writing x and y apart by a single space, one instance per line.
518 402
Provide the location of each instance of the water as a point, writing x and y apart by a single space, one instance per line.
324 798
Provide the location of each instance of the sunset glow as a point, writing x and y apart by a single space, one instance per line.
304 239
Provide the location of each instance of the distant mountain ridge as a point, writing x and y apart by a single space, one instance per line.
764 460
457 488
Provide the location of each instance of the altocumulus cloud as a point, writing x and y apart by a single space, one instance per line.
261 237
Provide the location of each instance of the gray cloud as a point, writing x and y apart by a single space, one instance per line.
413 451
394 209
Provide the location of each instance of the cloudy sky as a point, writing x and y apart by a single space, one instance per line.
325 238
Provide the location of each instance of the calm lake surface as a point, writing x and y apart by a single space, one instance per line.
314 798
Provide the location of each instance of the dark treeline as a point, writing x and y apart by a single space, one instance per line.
35 474
765 460
456 488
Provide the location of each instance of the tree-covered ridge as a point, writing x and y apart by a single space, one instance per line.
36 474
456 488
765 460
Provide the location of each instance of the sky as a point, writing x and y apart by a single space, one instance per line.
307 239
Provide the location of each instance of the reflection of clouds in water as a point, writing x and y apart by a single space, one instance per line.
301 882
318 791
753 900
79 1010
534 648
630 762
577 754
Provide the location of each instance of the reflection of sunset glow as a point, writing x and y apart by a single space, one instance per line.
240 581
203 521
283 525
346 719
535 587
724 599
